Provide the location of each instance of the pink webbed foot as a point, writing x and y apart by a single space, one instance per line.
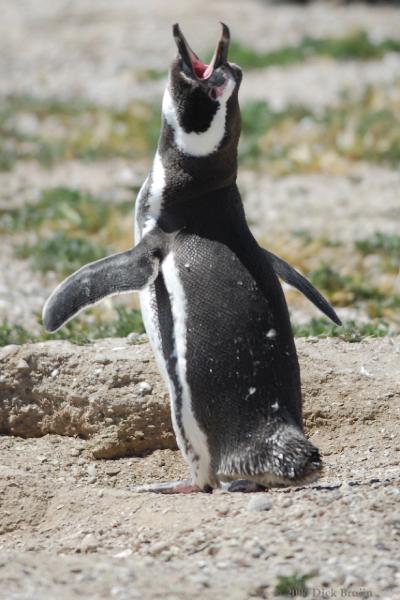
171 487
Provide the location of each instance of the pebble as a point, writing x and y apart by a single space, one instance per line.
112 471
123 553
133 337
157 548
22 365
144 388
258 504
102 359
89 543
222 511
92 473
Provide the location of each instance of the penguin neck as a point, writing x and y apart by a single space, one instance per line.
196 164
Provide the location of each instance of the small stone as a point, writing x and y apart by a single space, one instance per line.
22 365
133 337
286 502
123 553
54 373
74 452
222 511
157 548
89 543
92 472
102 359
258 504
112 471
144 388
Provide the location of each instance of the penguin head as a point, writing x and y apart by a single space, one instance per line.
196 92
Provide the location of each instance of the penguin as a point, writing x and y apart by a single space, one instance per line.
211 300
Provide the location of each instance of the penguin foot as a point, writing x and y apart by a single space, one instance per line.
244 486
184 486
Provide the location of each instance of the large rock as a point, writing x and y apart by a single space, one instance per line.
112 393
109 391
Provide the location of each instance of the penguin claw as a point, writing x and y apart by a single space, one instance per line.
184 486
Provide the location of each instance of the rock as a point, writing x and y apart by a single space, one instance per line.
113 470
89 543
53 387
259 503
22 365
144 388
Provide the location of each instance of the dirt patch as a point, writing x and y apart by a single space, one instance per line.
71 526
110 392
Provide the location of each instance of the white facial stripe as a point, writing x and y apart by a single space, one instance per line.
198 144
199 465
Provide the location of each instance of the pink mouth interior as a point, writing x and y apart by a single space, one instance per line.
202 70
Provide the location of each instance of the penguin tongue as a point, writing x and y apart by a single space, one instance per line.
202 70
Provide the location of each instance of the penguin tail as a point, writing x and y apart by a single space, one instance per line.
280 458
291 456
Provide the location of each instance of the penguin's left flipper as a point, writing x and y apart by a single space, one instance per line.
294 278
123 272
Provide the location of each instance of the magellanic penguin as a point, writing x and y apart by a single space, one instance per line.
212 304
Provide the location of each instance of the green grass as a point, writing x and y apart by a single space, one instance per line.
61 253
153 74
86 229
65 208
330 281
293 585
350 331
14 334
291 140
257 119
384 245
356 45
355 289
84 329
79 331
65 130
299 140
307 239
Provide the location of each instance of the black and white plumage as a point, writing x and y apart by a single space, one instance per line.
211 300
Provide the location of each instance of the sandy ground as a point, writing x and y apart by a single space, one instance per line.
71 526
98 51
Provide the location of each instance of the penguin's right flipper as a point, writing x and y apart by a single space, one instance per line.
123 272
294 278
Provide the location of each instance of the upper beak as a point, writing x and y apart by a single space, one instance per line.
197 68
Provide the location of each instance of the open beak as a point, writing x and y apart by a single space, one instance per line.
191 61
